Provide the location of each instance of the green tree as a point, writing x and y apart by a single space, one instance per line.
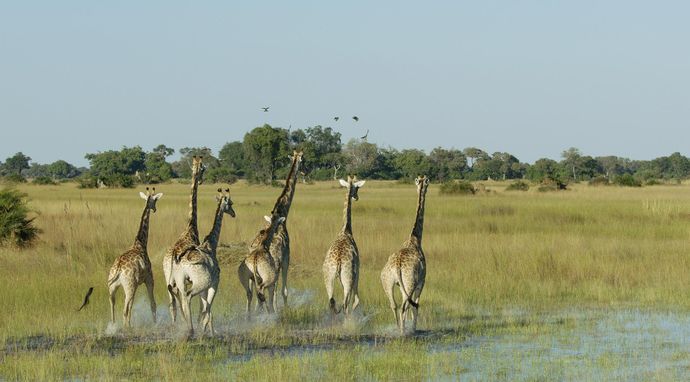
265 150
16 163
447 164
360 157
473 154
231 157
183 167
117 168
61 169
411 163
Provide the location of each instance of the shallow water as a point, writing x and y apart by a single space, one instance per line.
625 345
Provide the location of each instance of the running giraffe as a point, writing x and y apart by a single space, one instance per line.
258 271
198 272
407 267
342 258
280 247
133 267
189 238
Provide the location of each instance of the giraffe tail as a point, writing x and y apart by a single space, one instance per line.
114 278
259 282
407 296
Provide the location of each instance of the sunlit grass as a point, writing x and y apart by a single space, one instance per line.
492 261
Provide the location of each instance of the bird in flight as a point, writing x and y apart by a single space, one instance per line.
336 118
265 109
356 118
365 135
86 299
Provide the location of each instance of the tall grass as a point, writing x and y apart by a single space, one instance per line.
529 251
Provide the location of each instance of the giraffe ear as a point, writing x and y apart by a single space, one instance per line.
360 183
267 218
143 196
344 183
158 196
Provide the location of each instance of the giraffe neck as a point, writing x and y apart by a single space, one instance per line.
143 234
284 201
347 213
211 240
419 219
268 236
192 229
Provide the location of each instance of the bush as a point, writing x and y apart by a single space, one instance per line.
518 186
599 181
547 187
652 182
14 178
15 227
627 180
86 181
44 180
461 187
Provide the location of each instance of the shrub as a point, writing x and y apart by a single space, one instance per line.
627 180
15 227
518 186
86 181
547 187
652 182
599 181
461 187
14 178
44 180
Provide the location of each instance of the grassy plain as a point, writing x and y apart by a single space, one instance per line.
512 276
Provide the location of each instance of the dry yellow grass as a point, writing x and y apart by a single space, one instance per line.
504 251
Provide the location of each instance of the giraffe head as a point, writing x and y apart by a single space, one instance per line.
151 198
272 223
198 167
223 198
353 185
422 183
296 154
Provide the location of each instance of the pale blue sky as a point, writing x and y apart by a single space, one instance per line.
528 77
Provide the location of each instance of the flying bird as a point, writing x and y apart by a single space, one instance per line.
86 299
265 109
336 118
356 118
365 135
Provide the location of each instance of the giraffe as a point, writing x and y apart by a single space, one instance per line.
258 271
189 238
198 272
280 247
407 267
342 258
133 267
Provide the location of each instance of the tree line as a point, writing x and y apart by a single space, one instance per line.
262 157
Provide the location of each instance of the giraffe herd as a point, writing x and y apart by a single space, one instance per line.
191 267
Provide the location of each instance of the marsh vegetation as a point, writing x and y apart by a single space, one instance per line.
588 283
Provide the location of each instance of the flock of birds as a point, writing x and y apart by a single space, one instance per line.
192 270
336 118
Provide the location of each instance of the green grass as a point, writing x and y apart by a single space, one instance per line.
500 264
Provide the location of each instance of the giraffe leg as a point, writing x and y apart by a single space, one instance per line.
186 307
355 294
152 299
346 279
389 288
203 306
111 292
271 293
211 293
328 278
284 274
129 301
172 306
246 281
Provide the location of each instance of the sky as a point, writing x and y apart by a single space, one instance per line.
532 78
